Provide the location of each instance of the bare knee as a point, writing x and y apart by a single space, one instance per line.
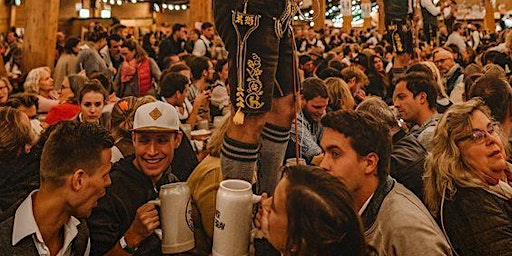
283 111
250 130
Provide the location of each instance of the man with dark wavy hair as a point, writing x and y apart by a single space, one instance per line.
357 150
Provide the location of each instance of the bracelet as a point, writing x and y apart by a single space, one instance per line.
125 246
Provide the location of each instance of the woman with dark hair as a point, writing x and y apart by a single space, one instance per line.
219 96
69 108
66 65
311 214
379 80
91 99
138 72
149 44
192 38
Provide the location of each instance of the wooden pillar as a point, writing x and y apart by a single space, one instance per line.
319 9
347 22
3 72
40 33
382 17
200 11
12 16
489 23
368 20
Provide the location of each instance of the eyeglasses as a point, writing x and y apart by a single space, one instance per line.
3 87
478 136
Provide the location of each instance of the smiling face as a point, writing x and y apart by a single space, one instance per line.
92 106
487 158
315 108
93 186
154 152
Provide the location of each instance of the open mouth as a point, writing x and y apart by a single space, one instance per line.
495 153
153 161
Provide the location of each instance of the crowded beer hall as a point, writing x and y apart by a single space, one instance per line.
256 127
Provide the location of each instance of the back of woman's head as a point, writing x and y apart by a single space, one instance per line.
70 44
14 135
339 94
123 114
321 216
76 82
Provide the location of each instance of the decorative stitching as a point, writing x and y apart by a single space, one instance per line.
255 87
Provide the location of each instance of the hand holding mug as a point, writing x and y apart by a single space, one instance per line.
145 222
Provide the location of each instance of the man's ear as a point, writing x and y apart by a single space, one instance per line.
177 139
372 163
422 97
78 179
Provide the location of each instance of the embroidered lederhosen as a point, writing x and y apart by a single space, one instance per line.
259 39
400 35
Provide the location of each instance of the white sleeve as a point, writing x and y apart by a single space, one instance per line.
429 5
199 48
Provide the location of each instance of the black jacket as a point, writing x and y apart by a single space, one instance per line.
478 222
407 160
17 179
116 211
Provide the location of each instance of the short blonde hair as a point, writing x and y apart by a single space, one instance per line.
7 83
32 82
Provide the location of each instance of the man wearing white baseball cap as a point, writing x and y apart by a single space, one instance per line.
124 221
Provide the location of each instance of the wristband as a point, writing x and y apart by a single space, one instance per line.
125 246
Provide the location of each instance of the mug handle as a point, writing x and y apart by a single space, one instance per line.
256 199
158 231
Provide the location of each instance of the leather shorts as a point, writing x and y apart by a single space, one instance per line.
259 38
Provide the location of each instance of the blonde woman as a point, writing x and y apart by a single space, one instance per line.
339 95
40 82
466 186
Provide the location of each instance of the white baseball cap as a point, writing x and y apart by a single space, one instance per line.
156 117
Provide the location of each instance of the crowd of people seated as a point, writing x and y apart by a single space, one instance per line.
408 153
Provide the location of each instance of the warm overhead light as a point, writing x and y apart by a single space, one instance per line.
106 14
184 7
84 13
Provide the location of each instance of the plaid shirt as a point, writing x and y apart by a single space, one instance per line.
309 136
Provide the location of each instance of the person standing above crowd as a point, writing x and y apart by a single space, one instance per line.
66 64
203 45
429 12
172 45
138 74
111 53
457 37
89 58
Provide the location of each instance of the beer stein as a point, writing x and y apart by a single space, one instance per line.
177 232
233 218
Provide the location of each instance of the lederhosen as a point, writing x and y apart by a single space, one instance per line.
259 38
399 26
